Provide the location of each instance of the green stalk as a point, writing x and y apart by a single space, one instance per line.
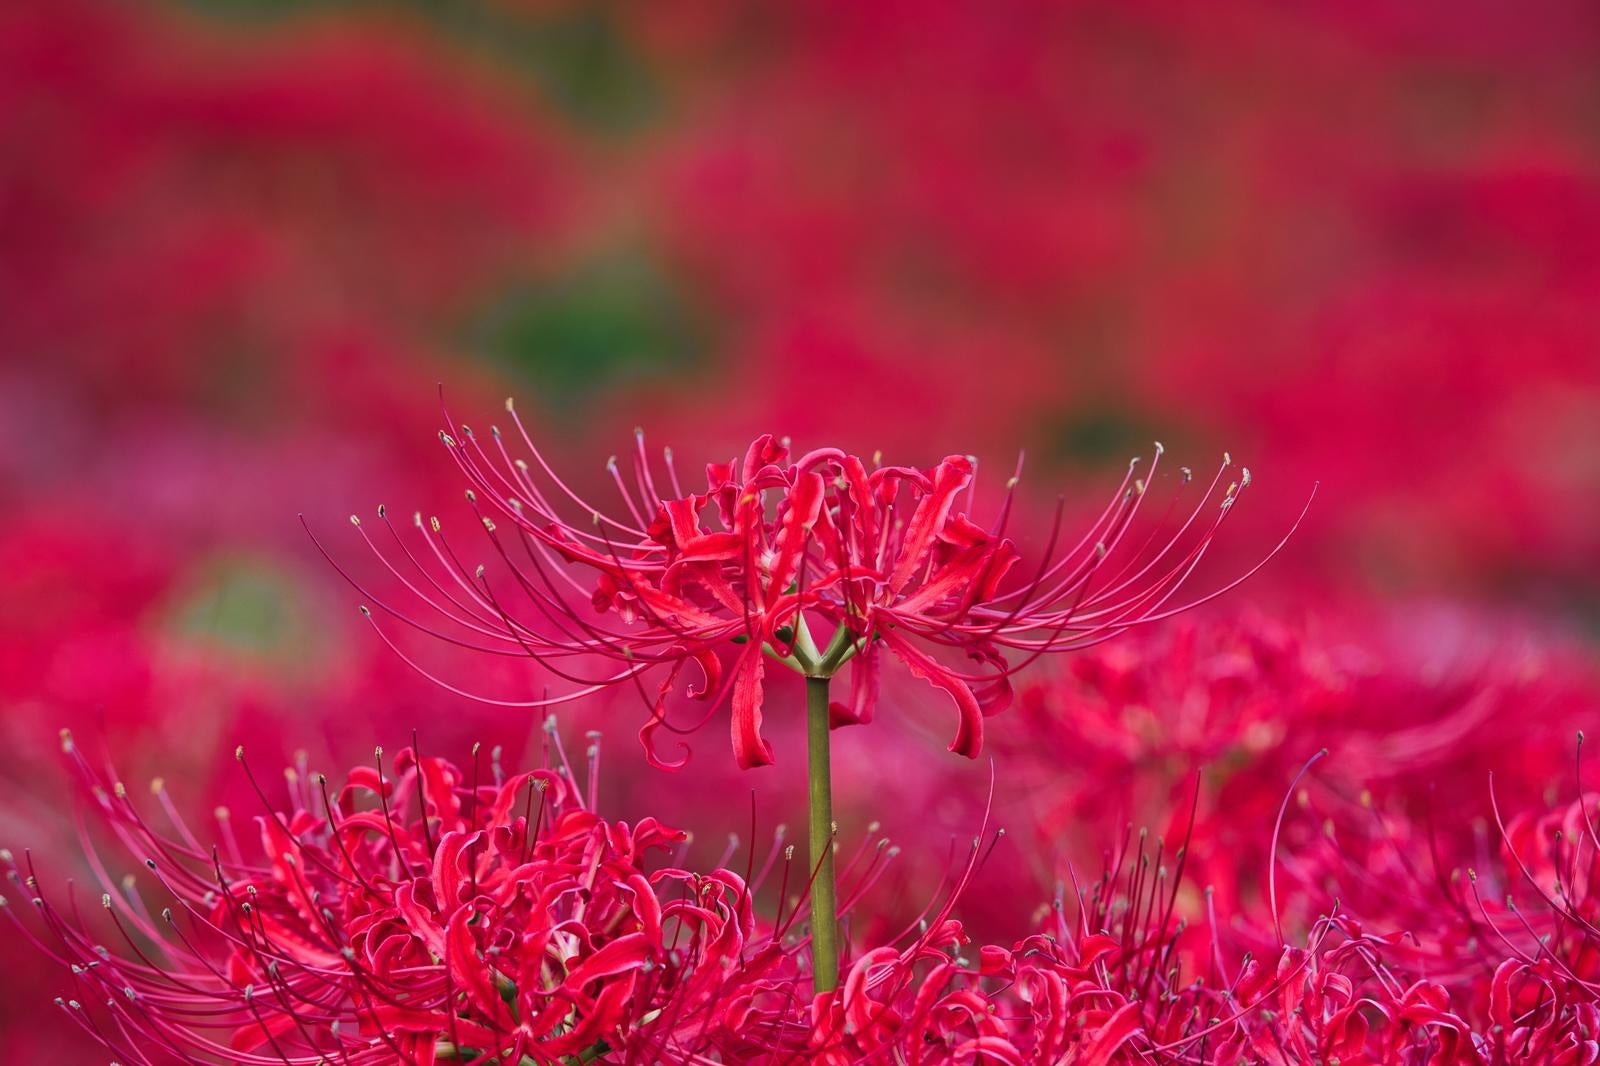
819 775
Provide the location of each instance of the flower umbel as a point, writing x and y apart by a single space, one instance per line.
421 912
813 561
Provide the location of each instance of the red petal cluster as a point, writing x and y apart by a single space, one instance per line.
504 920
813 561
416 915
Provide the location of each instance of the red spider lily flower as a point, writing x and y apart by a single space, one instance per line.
420 917
813 561
424 913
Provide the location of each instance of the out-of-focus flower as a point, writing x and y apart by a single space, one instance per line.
814 562
194 214
1416 707
1354 241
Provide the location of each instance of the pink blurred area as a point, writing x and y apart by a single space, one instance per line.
241 244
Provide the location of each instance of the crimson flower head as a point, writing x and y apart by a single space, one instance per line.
813 561
418 913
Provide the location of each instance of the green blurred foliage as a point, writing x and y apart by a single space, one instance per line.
248 609
616 318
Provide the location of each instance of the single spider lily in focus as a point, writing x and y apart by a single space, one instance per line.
815 562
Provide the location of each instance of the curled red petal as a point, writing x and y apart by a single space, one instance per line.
470 971
1116 1031
748 747
657 719
994 695
805 504
764 451
949 478
969 726
621 955
864 669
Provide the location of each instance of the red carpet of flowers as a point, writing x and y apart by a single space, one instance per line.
982 257
423 911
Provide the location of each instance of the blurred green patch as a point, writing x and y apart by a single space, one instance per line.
579 54
614 319
250 610
1100 434
589 67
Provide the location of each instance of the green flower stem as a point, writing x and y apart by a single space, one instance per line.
819 774
820 777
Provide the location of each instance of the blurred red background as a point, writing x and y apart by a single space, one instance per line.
241 243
